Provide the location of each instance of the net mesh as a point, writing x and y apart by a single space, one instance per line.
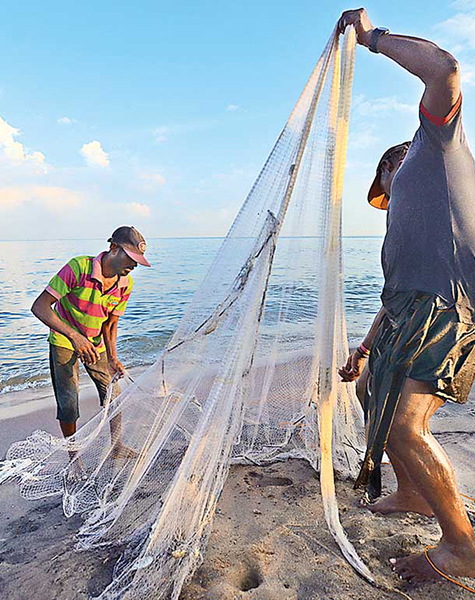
249 375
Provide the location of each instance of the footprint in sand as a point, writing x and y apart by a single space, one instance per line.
262 480
244 577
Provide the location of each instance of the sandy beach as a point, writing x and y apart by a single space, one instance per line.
269 540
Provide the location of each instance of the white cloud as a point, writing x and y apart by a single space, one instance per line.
49 197
209 221
56 197
15 152
95 155
232 107
381 106
360 166
137 208
161 134
11 197
467 68
164 132
463 5
153 179
457 35
365 138
460 28
66 121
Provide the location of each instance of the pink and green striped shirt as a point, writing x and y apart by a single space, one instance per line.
82 303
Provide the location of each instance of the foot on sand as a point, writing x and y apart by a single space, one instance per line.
451 561
76 470
121 451
398 502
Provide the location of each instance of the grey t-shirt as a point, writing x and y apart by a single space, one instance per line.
430 239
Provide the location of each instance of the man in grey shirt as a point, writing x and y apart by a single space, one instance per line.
421 346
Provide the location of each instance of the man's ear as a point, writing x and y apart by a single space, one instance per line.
387 166
114 248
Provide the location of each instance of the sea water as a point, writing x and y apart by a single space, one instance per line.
159 300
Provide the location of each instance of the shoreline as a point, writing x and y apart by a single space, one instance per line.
18 403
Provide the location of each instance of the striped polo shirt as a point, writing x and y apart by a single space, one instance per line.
82 303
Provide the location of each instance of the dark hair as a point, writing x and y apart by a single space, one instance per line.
394 151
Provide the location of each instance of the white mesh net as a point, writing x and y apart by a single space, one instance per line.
242 379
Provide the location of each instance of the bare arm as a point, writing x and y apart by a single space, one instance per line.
437 69
109 331
356 361
368 341
42 309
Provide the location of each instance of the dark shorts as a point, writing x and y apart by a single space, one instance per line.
416 340
64 366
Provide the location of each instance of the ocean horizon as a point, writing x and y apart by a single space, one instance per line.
158 302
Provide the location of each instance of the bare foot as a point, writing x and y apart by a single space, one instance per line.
122 451
399 503
77 470
457 561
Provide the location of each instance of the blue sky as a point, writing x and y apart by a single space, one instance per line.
161 114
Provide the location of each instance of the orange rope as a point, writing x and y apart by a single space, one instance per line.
462 585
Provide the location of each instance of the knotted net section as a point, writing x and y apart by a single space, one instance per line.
250 375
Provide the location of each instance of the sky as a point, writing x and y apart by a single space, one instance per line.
161 114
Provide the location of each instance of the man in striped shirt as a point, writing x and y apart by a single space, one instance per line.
90 294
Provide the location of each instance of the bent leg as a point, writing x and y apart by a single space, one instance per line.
406 498
433 477
67 429
100 375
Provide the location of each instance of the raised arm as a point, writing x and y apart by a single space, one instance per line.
437 69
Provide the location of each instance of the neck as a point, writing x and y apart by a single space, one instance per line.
107 270
385 187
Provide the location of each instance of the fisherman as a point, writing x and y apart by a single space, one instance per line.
421 346
90 294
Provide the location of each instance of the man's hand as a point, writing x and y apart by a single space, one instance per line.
86 351
354 367
363 26
116 367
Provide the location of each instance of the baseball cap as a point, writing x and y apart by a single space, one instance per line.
377 197
132 243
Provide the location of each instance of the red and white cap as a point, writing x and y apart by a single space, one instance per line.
132 243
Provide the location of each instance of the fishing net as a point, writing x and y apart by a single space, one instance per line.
249 376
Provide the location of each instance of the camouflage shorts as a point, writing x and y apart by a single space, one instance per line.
420 341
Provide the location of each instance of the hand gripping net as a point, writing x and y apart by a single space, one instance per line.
249 376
